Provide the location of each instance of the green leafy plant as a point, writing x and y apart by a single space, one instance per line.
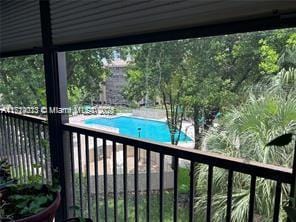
282 141
5 175
18 201
184 180
35 178
4 171
24 200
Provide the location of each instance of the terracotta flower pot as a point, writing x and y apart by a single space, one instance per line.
46 215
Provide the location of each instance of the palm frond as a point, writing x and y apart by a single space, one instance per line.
243 133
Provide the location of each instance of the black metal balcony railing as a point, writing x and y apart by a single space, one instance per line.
24 143
108 167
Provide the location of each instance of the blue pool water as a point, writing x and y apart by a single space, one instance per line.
128 126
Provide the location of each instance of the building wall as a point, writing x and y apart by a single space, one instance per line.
114 87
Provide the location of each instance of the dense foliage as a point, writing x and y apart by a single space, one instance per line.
5 175
22 81
244 133
251 79
269 111
198 76
26 200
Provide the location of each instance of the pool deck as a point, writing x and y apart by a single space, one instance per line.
79 120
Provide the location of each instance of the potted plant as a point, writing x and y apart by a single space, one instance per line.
281 141
33 202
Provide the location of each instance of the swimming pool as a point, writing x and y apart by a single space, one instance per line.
129 126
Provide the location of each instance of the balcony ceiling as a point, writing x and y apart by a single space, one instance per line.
88 20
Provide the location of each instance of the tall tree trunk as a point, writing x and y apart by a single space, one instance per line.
197 145
197 131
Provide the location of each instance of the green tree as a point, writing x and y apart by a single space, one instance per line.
158 72
206 89
224 65
243 133
249 58
134 90
287 62
214 95
22 81
85 73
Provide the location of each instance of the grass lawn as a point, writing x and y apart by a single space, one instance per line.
183 211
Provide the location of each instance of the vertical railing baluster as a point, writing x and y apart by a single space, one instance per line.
29 142
33 147
80 173
26 149
46 153
136 175
17 149
191 195
114 181
161 202
96 177
40 156
229 196
209 196
13 147
37 164
7 142
3 132
20 141
87 175
105 180
49 155
277 201
72 170
148 179
1 138
3 153
125 182
252 198
176 176
22 149
23 153
9 146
